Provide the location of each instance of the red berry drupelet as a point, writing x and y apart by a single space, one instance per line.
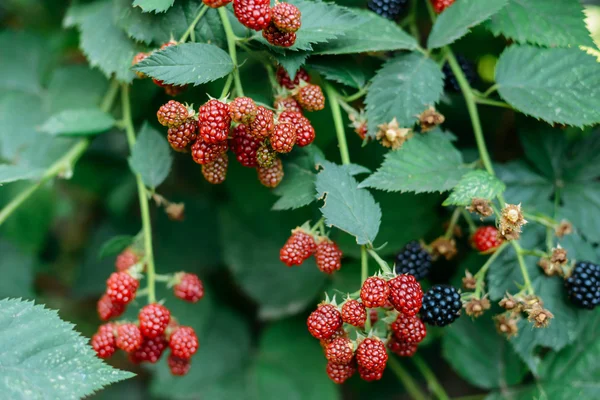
401 348
310 97
253 14
406 294
374 292
287 104
354 313
409 329
188 287
154 319
284 79
286 17
271 176
178 366
298 248
244 146
339 373
305 133
243 110
108 309
263 125
126 259
328 256
324 322
214 121
265 155
121 287
205 153
150 350
136 59
441 5
371 354
276 37
340 351
129 337
172 114
485 239
283 137
216 3
181 136
369 376
104 342
183 342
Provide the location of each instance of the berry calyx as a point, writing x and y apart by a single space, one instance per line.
406 294
328 256
205 153
181 136
172 114
339 373
108 309
129 337
283 137
215 172
279 38
150 350
243 110
340 351
374 292
154 319
371 354
121 287
354 313
284 79
583 285
298 248
286 17
409 329
244 146
324 321
104 341
441 305
178 366
214 121
271 176
414 260
183 342
310 97
263 124
253 14
486 239
188 287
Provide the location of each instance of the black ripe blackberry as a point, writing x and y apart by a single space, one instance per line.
441 305
583 286
389 9
414 260
468 68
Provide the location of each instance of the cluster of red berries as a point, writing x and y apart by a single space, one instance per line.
146 339
441 5
302 244
171 90
399 297
486 239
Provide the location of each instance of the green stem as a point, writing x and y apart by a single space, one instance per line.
384 266
409 383
143 199
452 224
467 217
429 376
491 90
528 288
534 253
356 96
332 97
364 264
65 163
545 221
231 38
192 26
226 86
480 100
480 275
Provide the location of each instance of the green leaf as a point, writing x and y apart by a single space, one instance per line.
59 362
104 44
291 61
187 63
585 162
582 207
480 355
151 156
11 173
344 70
297 189
370 33
425 163
25 58
115 245
156 6
86 122
558 23
457 20
523 185
475 184
17 269
64 95
405 87
347 207
555 85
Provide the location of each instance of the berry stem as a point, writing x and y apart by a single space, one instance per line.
226 86
528 288
357 95
491 90
452 224
432 382
480 100
143 198
534 253
384 266
231 39
336 113
480 275
63 165
364 264
467 217
409 383
190 29
545 221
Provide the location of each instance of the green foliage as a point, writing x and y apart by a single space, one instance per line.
27 326
115 245
151 157
11 173
153 5
17 268
86 121
477 184
345 70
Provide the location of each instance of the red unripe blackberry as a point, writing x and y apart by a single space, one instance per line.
284 79
339 373
406 294
214 121
441 5
409 329
178 366
298 248
126 259
216 3
340 351
189 287
136 59
253 14
305 133
374 292
181 136
263 124
173 90
205 153
273 35
286 17
121 287
287 104
340 333
243 110
129 337
150 350
265 156
172 114
244 146
271 176
310 97
107 309
328 256
371 354
485 239
183 342
401 348
104 342
373 316
154 319
216 171
170 43
368 375
354 313
324 321
283 137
